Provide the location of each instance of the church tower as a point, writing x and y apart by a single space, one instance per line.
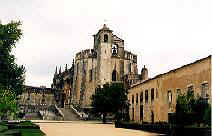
103 46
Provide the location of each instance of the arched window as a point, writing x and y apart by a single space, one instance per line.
114 75
114 49
152 94
105 38
129 67
152 117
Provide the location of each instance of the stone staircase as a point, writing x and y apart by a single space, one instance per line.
69 114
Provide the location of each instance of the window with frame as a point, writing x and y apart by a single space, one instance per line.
141 98
141 113
191 89
178 92
204 90
152 94
129 67
146 96
114 49
132 99
133 112
169 96
105 38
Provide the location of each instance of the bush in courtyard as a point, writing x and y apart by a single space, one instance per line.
190 110
111 98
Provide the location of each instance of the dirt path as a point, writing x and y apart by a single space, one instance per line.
80 128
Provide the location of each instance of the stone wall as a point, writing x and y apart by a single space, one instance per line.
166 87
38 96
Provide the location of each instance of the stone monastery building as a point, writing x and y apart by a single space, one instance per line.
107 62
151 99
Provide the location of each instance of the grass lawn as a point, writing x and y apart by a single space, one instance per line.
4 131
31 132
3 128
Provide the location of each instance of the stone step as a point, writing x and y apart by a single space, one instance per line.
69 114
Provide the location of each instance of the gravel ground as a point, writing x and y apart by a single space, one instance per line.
85 128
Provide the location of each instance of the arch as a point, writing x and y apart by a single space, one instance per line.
105 38
114 49
152 117
114 75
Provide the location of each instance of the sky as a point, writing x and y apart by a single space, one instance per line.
165 34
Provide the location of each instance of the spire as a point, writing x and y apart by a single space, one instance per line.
55 71
60 70
66 67
144 67
73 63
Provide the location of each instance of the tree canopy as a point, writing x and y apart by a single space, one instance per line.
111 98
191 109
11 74
7 103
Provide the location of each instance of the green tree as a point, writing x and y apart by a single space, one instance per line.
111 98
11 75
191 109
7 103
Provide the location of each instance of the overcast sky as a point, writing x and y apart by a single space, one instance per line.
165 34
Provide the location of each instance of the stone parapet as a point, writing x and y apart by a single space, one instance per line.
130 56
89 53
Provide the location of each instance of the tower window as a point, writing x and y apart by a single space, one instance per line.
114 49
105 38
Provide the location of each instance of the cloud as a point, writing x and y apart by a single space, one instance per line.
162 34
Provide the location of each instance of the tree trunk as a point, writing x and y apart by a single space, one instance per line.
104 118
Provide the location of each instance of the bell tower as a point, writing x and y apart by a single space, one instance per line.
103 45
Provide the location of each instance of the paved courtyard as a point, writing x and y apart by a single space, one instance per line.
80 128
